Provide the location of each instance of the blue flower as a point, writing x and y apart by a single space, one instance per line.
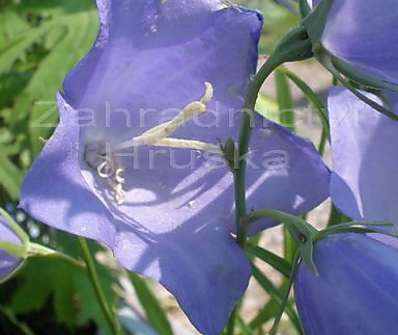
9 264
364 182
362 33
356 292
135 162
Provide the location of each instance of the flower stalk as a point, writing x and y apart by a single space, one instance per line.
295 46
110 317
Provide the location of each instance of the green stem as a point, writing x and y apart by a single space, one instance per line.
37 250
285 300
240 173
293 47
22 327
244 140
93 275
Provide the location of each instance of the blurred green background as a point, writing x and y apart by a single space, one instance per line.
40 41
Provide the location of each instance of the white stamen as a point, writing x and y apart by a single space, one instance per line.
119 176
164 130
209 93
188 144
107 167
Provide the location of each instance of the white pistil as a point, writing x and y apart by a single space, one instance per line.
159 135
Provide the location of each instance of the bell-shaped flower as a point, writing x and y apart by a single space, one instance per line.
364 182
136 163
9 263
361 33
356 290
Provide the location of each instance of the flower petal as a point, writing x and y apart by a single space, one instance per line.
155 59
204 269
285 172
361 32
355 292
54 191
168 238
8 263
364 183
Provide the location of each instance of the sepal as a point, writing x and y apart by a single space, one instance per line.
315 21
304 7
329 62
231 154
294 46
361 78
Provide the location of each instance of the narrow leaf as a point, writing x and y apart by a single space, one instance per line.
278 263
154 312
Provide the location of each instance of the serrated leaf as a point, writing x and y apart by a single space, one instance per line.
10 52
74 299
33 291
38 97
89 308
11 26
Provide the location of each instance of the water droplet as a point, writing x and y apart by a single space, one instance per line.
34 231
20 217
266 132
153 28
45 239
191 204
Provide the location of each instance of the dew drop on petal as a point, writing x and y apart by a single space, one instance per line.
266 132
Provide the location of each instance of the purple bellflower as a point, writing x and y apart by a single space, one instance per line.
364 182
361 33
135 162
9 264
356 292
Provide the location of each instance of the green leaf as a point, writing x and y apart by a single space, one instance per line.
278 263
73 297
154 312
286 118
311 97
244 328
277 295
285 100
265 314
317 105
17 47
40 93
267 107
37 288
89 306
285 298
12 25
10 175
